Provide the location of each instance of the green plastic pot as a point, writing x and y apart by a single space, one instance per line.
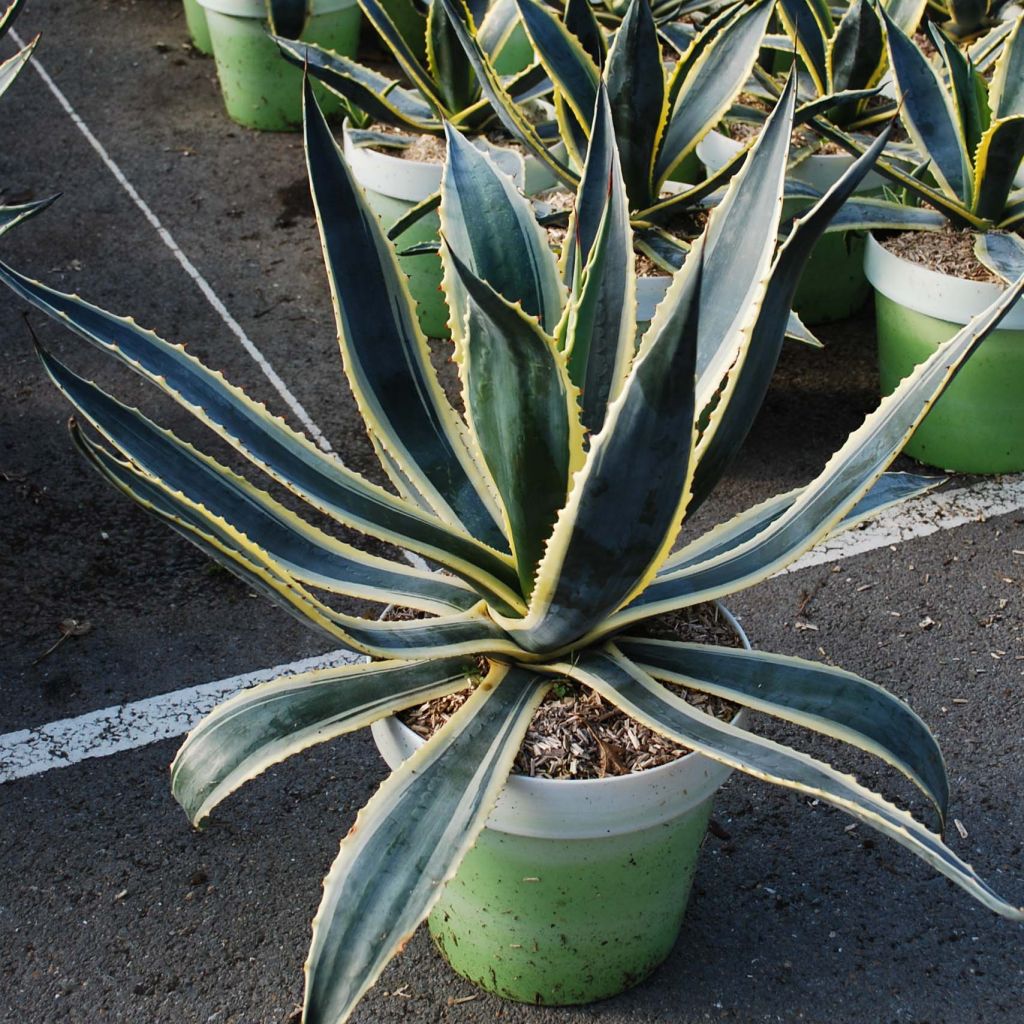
198 30
260 88
977 425
575 890
832 286
392 186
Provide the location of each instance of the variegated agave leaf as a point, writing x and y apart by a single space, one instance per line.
9 70
969 132
439 84
556 541
659 116
964 19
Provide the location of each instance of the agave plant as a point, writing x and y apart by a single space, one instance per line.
659 114
9 70
965 18
553 510
967 129
442 86
844 57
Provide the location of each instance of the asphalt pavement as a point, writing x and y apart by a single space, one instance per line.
113 909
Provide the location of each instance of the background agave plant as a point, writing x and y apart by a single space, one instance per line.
844 59
965 18
659 115
554 509
442 85
968 131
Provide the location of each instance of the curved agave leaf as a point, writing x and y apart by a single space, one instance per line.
381 97
260 727
626 686
1006 92
748 383
868 213
928 114
522 408
468 632
268 442
998 161
711 84
846 478
1003 254
598 250
448 63
505 106
10 13
856 54
568 65
11 68
635 84
888 490
385 355
740 243
579 19
907 14
408 60
967 90
12 215
491 227
420 823
821 698
181 482
627 501
810 26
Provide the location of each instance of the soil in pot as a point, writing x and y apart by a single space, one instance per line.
577 888
927 286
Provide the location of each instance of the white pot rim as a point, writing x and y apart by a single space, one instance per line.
258 8
587 808
819 170
414 180
932 292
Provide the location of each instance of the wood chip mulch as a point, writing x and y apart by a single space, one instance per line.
576 734
948 251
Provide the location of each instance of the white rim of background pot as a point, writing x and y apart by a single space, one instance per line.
932 292
820 170
414 180
587 808
258 8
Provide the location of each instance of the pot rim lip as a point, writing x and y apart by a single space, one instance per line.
555 785
930 292
257 9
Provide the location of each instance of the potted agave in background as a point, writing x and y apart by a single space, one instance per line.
969 132
554 510
439 87
259 89
842 63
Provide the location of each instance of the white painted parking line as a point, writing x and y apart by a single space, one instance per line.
113 730
187 265
921 517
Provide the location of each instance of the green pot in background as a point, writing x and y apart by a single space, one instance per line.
977 426
575 890
198 30
260 88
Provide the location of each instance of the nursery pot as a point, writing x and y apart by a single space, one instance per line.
576 889
392 186
260 88
198 30
977 425
832 285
